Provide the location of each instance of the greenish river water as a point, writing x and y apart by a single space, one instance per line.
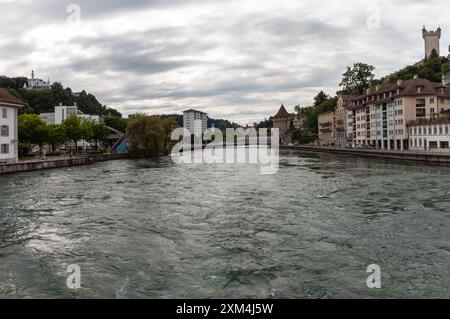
152 229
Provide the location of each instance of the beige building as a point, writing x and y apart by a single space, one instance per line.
326 128
286 122
380 117
340 124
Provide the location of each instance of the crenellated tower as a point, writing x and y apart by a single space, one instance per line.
431 39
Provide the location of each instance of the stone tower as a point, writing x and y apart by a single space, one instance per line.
431 41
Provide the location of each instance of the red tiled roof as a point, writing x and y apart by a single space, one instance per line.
7 98
282 112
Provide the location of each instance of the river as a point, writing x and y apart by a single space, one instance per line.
153 229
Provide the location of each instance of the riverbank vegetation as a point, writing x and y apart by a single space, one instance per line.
150 136
34 132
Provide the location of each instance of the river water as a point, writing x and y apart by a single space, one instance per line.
153 229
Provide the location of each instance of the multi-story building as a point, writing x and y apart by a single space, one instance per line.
9 138
430 134
195 121
380 117
63 112
340 125
326 128
286 122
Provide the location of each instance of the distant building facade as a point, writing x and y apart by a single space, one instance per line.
62 112
430 134
286 122
380 117
326 122
340 121
9 137
37 84
196 122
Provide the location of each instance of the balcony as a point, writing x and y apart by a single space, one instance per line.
325 124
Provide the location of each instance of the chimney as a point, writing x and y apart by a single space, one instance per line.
60 103
399 82
416 76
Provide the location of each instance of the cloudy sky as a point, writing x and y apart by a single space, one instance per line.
233 59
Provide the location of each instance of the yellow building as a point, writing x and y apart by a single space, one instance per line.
326 128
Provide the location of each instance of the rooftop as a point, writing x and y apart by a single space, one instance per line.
282 113
195 111
7 98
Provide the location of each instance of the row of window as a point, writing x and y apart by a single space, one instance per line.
429 131
5 113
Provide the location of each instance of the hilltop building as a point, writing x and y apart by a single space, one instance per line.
9 137
37 84
195 121
62 112
431 39
286 123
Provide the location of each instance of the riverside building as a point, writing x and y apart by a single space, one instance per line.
380 117
9 138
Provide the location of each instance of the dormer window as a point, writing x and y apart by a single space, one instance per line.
419 89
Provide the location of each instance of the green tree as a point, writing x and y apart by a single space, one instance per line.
57 136
87 129
115 122
320 98
32 130
146 135
100 133
357 79
168 124
73 130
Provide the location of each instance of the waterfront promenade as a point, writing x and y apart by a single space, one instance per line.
421 156
57 162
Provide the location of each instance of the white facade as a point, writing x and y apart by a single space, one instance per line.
195 121
62 112
429 136
37 84
8 133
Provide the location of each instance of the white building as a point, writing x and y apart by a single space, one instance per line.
195 121
429 135
62 112
9 137
37 84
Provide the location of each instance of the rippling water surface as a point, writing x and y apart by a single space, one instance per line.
151 229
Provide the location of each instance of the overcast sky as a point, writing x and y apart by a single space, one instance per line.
233 59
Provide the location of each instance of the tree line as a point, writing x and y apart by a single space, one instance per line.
34 131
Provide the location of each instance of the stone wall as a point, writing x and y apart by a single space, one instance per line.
27 166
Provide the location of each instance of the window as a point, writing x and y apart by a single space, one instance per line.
435 130
432 100
440 130
432 110
446 130
4 130
5 113
4 149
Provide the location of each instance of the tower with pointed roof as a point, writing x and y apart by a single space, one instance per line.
286 122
